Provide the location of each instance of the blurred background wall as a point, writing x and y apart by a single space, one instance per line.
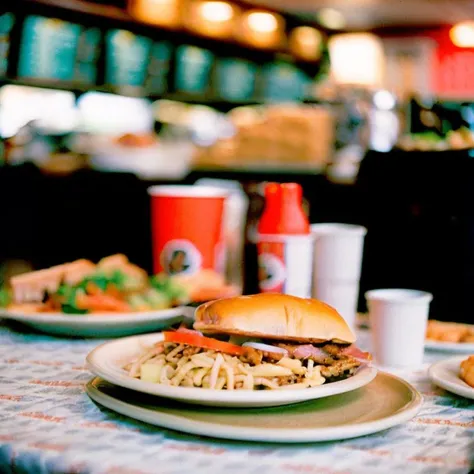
369 105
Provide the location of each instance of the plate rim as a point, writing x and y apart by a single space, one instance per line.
201 396
455 347
94 320
282 435
461 388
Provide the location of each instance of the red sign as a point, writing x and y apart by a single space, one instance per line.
453 68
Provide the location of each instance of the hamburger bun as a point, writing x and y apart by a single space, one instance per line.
274 316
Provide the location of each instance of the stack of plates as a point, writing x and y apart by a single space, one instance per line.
362 404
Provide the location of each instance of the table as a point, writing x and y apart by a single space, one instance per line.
49 425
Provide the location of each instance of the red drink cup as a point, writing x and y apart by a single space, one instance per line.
186 224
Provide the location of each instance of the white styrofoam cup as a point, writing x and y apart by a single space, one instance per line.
341 295
337 265
398 320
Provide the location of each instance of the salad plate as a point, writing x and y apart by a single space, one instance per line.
385 402
100 325
108 361
111 298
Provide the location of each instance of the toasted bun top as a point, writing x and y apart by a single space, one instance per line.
274 316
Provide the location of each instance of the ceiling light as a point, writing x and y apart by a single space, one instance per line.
357 59
306 42
262 22
331 18
216 11
157 12
462 34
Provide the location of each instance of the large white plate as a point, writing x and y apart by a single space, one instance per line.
107 362
445 374
457 347
100 325
383 403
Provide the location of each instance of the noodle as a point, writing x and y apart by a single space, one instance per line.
166 364
199 375
215 371
176 380
230 376
171 356
135 369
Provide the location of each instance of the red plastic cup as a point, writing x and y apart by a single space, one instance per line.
187 228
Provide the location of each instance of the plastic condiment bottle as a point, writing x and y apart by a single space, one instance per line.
284 242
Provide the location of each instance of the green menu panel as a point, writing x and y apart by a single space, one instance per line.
235 79
7 21
87 54
53 49
127 58
48 49
283 81
193 69
159 67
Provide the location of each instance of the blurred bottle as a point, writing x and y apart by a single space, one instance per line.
284 242
254 211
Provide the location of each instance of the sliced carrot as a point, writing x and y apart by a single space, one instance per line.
101 303
112 290
93 289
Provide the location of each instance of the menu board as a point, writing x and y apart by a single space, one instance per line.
87 54
235 79
58 50
7 21
159 67
283 81
193 69
48 49
127 57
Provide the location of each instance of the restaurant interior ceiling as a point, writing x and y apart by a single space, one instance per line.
376 14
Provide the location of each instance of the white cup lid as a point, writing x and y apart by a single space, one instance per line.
399 295
184 190
338 229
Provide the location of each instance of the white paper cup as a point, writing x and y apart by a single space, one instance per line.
341 295
338 251
337 265
398 320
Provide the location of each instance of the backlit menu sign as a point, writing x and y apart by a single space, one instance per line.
235 79
159 67
193 69
284 81
126 58
48 49
7 21
87 54
53 49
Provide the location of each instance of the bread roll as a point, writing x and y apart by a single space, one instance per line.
274 316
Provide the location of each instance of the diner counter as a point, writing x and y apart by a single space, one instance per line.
49 425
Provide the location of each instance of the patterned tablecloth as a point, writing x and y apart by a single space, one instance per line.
49 425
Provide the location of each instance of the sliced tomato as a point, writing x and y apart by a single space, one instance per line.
203 342
355 352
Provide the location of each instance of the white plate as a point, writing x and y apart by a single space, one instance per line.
107 361
100 325
445 374
383 403
457 347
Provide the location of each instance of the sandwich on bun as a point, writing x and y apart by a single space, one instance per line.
265 341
